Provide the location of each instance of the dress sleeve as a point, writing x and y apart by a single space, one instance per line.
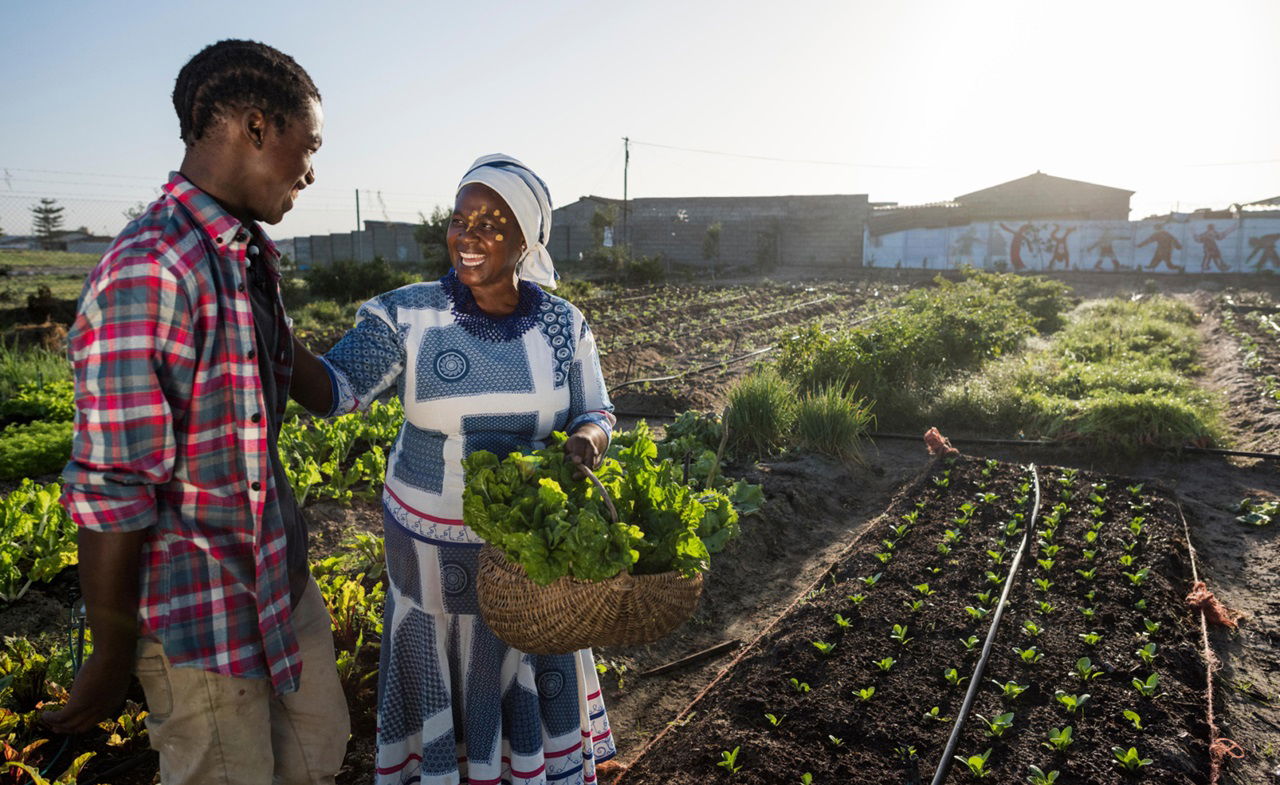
588 396
132 352
366 361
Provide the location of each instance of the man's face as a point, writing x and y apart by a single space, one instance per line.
484 239
282 166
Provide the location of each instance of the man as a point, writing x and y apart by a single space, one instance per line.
192 549
1165 244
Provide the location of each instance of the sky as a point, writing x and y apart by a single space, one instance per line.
910 101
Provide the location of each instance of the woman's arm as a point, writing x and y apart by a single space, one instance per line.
591 417
367 360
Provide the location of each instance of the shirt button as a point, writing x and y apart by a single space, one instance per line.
256 418
252 353
255 485
241 237
240 288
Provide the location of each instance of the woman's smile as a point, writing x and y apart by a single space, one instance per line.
471 259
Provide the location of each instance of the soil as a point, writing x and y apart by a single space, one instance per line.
871 737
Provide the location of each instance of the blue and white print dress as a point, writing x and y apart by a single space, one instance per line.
455 704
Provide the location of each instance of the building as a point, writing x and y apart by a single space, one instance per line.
394 241
785 232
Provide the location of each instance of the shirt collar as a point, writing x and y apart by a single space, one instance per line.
226 231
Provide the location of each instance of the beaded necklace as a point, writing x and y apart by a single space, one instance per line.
469 316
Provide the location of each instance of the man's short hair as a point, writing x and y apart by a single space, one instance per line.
236 74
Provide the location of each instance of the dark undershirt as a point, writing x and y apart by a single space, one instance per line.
275 345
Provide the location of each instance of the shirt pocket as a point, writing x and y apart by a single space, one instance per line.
153 674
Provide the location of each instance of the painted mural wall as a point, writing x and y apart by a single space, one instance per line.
1193 245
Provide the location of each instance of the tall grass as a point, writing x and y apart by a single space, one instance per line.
760 413
833 422
21 365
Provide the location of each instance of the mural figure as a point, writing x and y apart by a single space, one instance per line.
1208 240
1265 245
963 247
1106 250
1165 243
1060 251
1023 235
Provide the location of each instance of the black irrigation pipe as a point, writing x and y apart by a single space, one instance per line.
975 681
1060 443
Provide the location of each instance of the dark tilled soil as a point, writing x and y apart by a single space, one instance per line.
871 733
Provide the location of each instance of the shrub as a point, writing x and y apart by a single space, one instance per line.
346 281
832 422
33 449
20 365
54 401
760 413
1047 300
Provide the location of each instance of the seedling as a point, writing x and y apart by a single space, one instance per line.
1134 490
1091 536
1010 689
1037 776
806 779
1043 584
823 647
1045 564
1091 638
900 531
1129 546
885 664
998 724
1126 560
1140 604
1088 574
915 606
1138 578
1134 717
994 578
977 764
1135 525
1059 739
1049 550
911 517
906 754
1087 613
924 590
1147 689
1129 759
840 620
952 536
1073 703
987 498
942 481
996 556
943 548
1011 528
884 556
1147 653
969 643
1031 628
983 597
1044 608
889 544
799 686
836 741
1152 626
871 580
728 761
1089 554
1030 655
775 720
936 714
979 613
953 677
865 693
857 599
899 634
1085 669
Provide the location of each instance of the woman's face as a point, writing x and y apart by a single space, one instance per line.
484 240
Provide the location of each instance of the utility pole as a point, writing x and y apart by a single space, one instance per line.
358 224
626 163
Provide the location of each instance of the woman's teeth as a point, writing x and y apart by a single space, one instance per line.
471 259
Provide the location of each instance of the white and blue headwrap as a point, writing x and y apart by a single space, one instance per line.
530 200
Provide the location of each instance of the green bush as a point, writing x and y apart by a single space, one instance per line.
34 449
833 422
1048 301
760 413
53 401
20 365
347 281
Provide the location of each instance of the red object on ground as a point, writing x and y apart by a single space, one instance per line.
1214 611
939 444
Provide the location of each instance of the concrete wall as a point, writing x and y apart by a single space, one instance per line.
393 241
779 231
1247 244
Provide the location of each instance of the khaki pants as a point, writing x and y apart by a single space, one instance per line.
218 730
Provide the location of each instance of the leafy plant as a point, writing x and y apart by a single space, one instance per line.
1059 739
39 538
1147 688
836 741
969 643
1139 577
1152 627
871 580
840 620
729 760
899 634
1147 653
977 764
1091 638
1030 655
886 664
953 677
1129 759
996 726
823 647
1010 689
1037 776
761 413
1134 717
1031 628
774 719
936 714
799 686
1073 703
865 693
1085 669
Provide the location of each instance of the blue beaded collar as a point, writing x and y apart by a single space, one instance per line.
471 318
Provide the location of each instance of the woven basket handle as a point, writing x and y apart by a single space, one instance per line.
608 502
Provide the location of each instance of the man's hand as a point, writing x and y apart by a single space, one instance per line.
109 579
97 693
586 447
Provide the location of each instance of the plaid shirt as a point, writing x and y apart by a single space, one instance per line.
170 436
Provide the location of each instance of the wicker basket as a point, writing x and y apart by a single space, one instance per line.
569 614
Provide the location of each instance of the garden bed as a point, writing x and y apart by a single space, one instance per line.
841 735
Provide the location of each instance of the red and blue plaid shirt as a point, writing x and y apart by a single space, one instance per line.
171 437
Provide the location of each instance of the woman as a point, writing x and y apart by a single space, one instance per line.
483 359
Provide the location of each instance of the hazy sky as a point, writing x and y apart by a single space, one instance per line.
904 101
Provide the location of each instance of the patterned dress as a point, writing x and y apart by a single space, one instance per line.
455 704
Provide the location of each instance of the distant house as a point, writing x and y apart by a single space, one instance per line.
754 231
394 241
19 242
1036 197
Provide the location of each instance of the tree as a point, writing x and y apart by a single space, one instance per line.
603 218
430 235
46 221
711 243
135 212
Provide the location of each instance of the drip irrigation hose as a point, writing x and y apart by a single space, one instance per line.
1059 443
75 644
975 681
